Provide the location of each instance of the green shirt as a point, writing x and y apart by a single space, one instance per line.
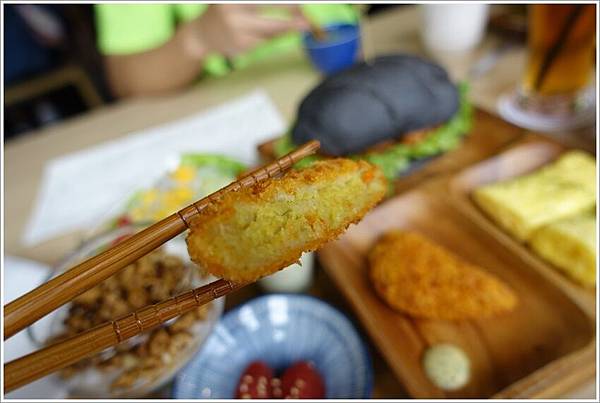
132 28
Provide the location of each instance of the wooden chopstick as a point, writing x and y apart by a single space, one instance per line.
30 307
40 363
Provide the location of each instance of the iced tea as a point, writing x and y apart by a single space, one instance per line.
561 49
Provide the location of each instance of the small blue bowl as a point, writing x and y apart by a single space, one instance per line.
279 329
338 51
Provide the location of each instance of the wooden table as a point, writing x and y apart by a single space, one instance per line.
286 79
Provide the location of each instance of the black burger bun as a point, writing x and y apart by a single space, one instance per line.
371 103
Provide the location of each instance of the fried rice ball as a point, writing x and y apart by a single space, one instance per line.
259 230
420 278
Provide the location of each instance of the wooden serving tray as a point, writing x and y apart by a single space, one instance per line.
544 347
517 161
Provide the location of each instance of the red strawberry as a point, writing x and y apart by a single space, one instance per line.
302 381
255 382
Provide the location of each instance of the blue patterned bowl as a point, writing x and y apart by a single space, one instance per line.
279 329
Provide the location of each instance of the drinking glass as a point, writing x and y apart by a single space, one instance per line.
555 92
560 55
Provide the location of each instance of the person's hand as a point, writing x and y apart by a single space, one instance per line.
230 29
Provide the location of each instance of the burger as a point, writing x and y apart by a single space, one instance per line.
392 111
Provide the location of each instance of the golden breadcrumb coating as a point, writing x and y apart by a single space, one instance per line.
259 230
416 276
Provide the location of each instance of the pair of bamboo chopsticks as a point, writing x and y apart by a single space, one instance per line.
30 307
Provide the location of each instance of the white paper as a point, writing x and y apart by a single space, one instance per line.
82 187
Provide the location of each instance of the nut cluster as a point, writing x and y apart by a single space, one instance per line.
151 279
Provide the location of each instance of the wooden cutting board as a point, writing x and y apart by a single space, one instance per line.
544 347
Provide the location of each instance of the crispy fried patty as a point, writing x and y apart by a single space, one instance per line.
418 277
258 230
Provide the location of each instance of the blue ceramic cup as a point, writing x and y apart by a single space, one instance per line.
337 52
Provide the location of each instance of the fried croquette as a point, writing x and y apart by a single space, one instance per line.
416 276
259 230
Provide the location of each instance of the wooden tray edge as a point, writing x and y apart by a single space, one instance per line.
573 369
583 297
556 377
548 381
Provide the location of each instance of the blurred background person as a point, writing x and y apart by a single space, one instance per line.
155 48
63 60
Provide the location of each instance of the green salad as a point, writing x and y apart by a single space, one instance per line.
196 176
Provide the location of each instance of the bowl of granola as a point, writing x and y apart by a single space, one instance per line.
144 363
